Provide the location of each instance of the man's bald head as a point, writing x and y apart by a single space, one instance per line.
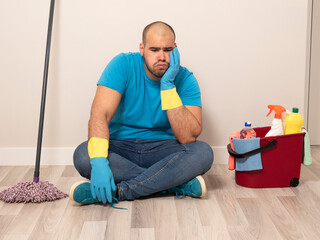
159 28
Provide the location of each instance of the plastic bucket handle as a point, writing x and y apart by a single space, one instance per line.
253 152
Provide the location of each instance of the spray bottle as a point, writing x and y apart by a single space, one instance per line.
276 125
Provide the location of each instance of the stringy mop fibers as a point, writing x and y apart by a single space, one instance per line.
26 192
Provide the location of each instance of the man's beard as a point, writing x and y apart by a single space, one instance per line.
157 74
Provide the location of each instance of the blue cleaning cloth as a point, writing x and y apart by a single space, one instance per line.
246 145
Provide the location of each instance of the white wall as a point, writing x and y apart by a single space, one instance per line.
245 54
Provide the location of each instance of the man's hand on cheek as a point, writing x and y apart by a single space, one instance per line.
169 96
167 81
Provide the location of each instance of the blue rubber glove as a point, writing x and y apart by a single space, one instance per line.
102 182
167 80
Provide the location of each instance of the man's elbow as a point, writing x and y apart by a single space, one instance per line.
191 138
187 140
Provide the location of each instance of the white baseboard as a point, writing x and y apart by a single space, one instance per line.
64 156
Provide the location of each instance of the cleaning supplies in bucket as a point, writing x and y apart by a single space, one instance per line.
250 163
276 125
294 122
247 131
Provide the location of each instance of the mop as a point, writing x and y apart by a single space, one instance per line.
36 191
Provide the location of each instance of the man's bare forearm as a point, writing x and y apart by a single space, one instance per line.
186 128
98 127
103 108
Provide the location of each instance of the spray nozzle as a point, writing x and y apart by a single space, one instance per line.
277 109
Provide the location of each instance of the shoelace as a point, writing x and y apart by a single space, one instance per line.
116 201
183 190
176 191
181 196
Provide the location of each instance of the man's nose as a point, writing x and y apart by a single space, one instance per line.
162 56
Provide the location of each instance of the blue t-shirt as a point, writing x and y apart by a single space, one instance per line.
139 115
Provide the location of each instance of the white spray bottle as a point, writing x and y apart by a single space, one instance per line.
276 125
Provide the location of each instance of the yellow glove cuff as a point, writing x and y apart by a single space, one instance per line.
170 99
98 147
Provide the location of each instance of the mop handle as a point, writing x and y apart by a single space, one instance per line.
44 91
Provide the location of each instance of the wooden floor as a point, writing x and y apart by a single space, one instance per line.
228 211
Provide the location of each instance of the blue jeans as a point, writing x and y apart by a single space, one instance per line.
143 167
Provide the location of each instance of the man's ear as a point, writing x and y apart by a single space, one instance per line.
141 48
175 44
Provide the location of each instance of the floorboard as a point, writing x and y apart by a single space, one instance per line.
229 211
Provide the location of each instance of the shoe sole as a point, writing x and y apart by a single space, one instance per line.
203 185
73 187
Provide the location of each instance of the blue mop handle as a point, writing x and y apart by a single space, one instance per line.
44 91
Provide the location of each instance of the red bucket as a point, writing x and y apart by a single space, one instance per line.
281 161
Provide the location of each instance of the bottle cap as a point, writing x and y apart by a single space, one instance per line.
295 110
247 124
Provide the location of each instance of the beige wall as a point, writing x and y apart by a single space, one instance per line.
314 97
245 54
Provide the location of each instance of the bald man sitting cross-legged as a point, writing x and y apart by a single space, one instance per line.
145 119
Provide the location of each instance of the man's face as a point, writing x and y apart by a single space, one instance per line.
156 53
